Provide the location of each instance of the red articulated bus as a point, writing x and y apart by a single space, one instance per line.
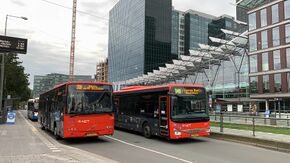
172 111
78 109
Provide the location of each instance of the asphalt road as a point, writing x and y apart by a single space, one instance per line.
128 147
132 148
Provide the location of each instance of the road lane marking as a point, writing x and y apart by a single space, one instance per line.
150 150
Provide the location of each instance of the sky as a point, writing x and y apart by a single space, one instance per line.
48 30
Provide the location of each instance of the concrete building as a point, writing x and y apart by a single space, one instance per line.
269 54
139 37
44 83
102 71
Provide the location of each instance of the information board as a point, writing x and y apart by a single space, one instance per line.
13 44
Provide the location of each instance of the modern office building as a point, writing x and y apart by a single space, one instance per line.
139 37
177 34
102 71
44 83
269 54
196 29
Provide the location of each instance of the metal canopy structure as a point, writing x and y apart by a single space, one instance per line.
198 61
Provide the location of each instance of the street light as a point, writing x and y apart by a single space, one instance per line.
3 58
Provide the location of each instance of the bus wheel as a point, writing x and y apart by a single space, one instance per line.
147 130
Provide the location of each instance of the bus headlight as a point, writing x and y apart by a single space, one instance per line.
35 114
177 133
208 130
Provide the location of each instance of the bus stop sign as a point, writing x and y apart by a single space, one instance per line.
11 116
13 44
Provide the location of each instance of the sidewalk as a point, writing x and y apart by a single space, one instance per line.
22 142
268 140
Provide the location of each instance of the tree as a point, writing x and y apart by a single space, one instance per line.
16 81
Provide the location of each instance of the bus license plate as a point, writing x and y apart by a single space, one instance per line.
194 135
91 134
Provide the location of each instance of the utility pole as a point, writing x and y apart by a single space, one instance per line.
73 39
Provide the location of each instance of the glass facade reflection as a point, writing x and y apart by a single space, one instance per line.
266 84
275 13
288 57
277 60
264 37
287 9
252 21
253 42
196 29
287 33
139 37
278 83
265 62
276 36
264 21
253 63
254 84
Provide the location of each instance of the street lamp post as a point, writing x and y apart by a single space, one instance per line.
3 59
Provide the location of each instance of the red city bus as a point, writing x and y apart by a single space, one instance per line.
173 111
78 109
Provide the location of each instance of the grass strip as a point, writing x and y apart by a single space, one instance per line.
274 130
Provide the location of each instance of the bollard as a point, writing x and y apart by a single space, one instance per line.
253 126
230 118
246 120
221 122
215 116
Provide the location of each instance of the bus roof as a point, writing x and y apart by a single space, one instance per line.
162 87
77 82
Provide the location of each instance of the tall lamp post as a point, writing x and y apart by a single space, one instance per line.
3 60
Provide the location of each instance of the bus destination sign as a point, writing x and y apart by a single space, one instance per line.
13 44
188 91
89 87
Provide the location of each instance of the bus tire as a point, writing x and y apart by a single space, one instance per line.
147 130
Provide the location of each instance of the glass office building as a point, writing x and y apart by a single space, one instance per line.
196 29
139 37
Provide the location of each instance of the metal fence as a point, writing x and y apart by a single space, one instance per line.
250 121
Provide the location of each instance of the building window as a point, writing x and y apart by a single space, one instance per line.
288 81
264 21
254 84
264 38
287 33
253 42
275 14
288 57
265 62
252 21
287 9
277 60
276 36
278 83
266 84
253 63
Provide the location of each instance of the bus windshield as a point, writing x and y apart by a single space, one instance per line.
188 107
89 99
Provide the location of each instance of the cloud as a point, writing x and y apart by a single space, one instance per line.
49 27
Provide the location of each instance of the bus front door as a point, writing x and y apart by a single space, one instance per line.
163 118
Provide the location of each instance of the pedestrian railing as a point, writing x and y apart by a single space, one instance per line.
248 121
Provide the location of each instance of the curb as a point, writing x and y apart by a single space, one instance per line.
264 143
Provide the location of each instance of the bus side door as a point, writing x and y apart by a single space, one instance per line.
163 116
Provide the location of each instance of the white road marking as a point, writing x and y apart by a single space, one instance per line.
150 150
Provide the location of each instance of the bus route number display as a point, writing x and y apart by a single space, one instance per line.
188 91
88 88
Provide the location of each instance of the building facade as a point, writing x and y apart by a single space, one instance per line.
269 54
44 83
196 29
177 35
102 71
139 37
